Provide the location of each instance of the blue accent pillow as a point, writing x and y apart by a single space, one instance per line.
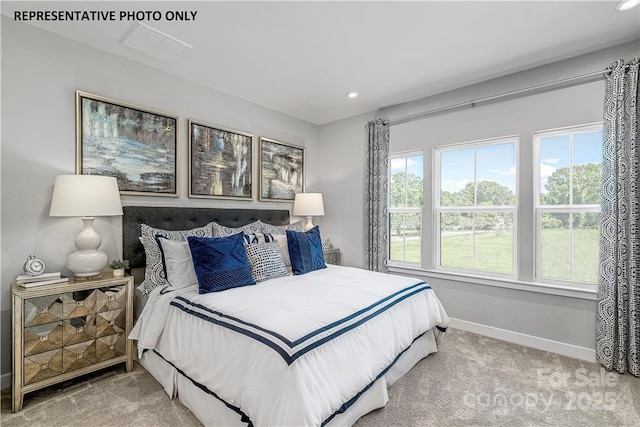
305 250
220 262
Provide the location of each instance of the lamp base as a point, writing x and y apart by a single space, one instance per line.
309 225
87 263
88 260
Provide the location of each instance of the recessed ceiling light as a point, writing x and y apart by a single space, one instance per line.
352 94
627 4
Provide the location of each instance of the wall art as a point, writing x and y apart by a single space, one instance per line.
136 145
281 170
220 162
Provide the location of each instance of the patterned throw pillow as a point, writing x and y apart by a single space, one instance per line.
220 262
256 238
305 250
266 261
154 272
282 229
218 230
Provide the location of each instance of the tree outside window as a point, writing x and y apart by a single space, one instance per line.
568 168
406 194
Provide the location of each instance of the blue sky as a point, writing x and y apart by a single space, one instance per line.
498 162
495 163
415 165
554 152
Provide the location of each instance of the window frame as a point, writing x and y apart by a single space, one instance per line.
438 209
539 210
405 210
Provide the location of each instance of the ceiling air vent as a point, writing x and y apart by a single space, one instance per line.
152 42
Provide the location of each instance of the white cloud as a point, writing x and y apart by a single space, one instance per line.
546 171
511 170
454 186
551 160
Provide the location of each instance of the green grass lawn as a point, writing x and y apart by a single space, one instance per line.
493 252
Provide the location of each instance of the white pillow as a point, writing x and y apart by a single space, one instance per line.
154 272
281 240
178 264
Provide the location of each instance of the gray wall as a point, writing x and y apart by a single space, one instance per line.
517 310
40 74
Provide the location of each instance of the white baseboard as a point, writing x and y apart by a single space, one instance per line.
558 347
5 381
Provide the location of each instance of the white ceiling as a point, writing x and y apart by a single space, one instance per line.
300 58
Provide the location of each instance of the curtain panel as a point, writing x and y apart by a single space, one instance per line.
618 319
376 196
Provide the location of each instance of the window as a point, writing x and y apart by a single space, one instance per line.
406 191
475 206
567 197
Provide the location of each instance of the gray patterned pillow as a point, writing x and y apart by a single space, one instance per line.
218 230
266 261
154 271
282 229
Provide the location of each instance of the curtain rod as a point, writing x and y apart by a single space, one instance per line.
545 87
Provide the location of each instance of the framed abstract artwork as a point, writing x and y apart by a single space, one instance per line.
281 170
220 162
137 146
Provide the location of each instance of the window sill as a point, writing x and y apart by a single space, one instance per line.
542 288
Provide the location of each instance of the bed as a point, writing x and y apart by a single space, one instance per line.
319 348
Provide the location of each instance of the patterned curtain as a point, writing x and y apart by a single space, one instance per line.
618 322
376 195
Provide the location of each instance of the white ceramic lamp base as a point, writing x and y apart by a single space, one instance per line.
309 224
87 261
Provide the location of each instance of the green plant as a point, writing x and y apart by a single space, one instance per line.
117 263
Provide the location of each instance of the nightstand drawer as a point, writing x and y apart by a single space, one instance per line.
78 329
332 256
110 347
79 355
79 303
41 310
42 366
110 322
41 338
111 298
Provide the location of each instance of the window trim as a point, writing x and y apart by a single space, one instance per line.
539 209
437 209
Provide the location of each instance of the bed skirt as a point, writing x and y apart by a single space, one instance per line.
212 411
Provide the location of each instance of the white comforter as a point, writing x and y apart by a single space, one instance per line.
292 350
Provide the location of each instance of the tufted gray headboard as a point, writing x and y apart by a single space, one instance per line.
184 218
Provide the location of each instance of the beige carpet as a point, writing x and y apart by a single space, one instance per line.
472 380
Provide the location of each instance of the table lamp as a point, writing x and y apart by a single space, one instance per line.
309 205
86 196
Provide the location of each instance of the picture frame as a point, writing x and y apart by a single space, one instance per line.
282 173
220 162
136 145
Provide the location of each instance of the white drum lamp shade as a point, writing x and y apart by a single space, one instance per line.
86 196
308 205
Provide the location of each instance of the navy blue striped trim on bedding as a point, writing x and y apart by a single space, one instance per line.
353 400
243 417
223 320
358 313
235 328
343 408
